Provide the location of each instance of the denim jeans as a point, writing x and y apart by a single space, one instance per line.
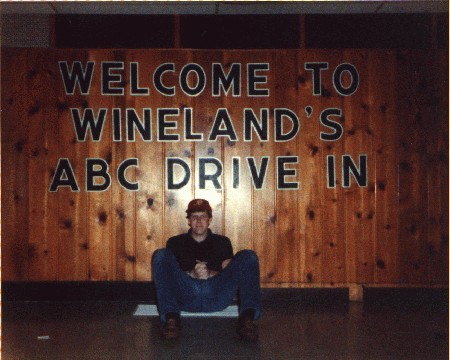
176 291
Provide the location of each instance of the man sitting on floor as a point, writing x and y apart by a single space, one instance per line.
197 272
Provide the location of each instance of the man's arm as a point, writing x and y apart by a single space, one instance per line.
227 251
225 263
212 273
201 270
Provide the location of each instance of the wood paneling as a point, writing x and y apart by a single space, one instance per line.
392 231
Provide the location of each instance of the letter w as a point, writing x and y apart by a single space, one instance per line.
77 75
89 121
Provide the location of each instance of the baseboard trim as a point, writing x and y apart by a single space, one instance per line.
144 292
403 297
78 291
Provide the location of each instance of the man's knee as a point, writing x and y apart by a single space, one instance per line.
159 256
247 255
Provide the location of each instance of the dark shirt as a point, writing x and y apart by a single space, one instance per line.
213 250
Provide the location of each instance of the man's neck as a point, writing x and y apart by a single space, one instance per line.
199 238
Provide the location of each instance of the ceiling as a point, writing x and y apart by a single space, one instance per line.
224 7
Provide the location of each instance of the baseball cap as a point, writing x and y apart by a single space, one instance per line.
197 205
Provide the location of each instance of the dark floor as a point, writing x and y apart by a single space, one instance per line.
108 330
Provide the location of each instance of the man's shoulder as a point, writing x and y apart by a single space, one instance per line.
179 236
177 239
219 237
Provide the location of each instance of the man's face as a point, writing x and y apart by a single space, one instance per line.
199 222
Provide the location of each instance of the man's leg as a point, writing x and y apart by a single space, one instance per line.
175 291
249 282
242 276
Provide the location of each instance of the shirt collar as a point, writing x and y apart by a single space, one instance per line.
207 236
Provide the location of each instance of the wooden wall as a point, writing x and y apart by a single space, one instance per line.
393 231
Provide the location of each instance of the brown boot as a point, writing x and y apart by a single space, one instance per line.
171 330
247 328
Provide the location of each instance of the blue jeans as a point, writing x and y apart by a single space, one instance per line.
176 291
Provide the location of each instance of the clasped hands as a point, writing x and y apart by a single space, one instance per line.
202 272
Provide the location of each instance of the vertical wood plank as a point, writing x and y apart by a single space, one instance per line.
176 200
312 185
412 168
237 202
15 103
38 109
289 245
382 105
325 232
263 200
123 227
150 175
360 215
70 205
205 107
99 202
309 149
436 133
